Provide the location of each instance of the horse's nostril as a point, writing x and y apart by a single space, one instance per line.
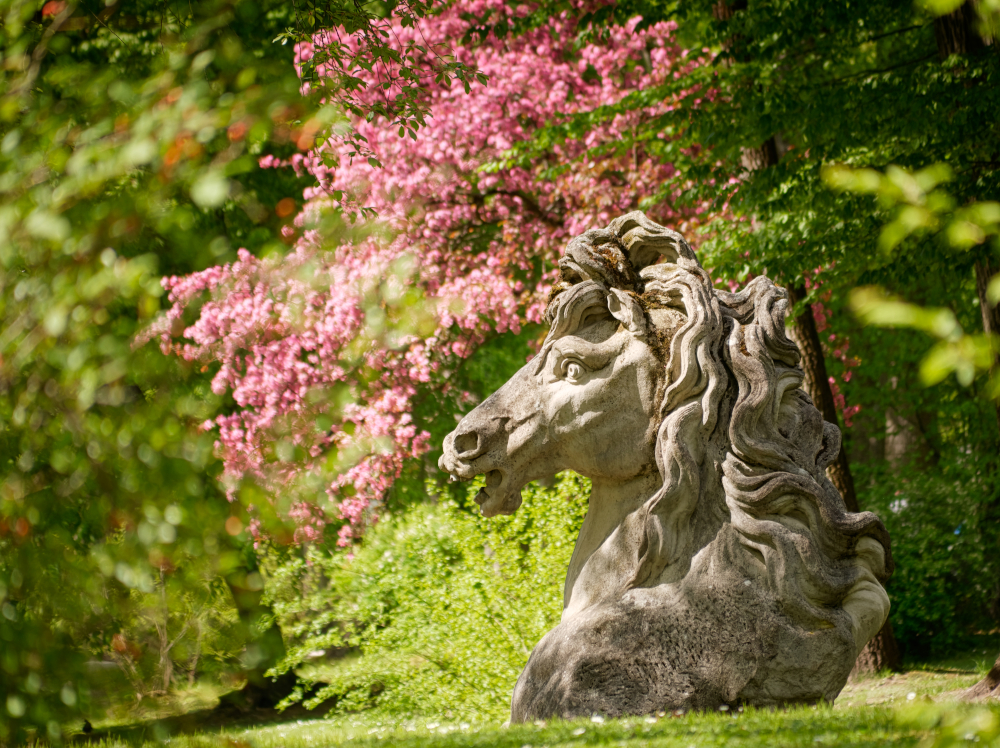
466 443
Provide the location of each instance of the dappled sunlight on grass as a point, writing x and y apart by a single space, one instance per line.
808 726
935 680
917 707
800 726
203 695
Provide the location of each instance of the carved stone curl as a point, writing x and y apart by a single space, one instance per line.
717 563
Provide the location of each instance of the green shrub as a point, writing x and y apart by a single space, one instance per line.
439 607
944 543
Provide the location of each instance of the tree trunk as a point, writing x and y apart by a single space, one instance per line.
985 270
754 159
193 663
817 385
881 653
955 32
987 688
166 662
883 649
265 649
723 10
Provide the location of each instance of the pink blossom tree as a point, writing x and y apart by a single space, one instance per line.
325 350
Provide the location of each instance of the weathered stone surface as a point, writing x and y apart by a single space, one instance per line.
717 563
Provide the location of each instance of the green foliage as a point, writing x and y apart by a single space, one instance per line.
130 135
920 206
441 606
924 459
402 71
952 727
821 83
946 573
186 623
956 351
101 501
120 163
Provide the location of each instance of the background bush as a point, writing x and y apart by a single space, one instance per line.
947 578
438 609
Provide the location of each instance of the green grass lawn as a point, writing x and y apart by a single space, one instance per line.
917 707
805 727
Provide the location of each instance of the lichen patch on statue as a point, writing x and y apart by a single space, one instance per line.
717 563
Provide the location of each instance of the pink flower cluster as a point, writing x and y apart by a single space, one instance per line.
481 248
279 331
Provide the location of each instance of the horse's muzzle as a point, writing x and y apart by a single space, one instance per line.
461 450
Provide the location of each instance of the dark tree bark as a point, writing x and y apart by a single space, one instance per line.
754 159
817 384
988 687
986 269
723 10
883 649
882 653
956 33
265 648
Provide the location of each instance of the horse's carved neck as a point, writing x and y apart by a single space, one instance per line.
602 557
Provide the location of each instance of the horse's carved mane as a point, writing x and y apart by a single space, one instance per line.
738 439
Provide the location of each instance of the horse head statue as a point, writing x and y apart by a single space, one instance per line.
717 563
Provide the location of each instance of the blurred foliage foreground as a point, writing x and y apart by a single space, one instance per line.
130 135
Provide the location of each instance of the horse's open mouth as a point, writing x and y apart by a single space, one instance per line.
496 497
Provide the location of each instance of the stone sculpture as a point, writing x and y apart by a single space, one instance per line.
717 564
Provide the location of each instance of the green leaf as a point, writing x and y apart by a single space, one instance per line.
940 7
993 290
939 362
211 190
873 307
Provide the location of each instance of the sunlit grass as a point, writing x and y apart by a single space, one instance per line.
803 726
901 709
938 679
806 727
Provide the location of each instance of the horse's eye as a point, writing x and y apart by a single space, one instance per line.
573 371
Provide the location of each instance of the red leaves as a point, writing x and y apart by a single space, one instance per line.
53 8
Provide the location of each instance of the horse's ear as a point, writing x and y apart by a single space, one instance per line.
625 308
